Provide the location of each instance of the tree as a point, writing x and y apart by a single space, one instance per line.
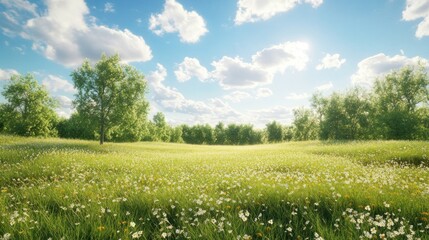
219 134
162 130
77 127
274 132
176 135
110 95
232 133
29 110
305 125
398 98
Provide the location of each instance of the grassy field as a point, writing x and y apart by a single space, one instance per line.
62 189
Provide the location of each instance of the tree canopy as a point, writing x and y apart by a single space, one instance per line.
29 110
111 96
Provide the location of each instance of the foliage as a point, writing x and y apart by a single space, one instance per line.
398 98
111 96
161 128
77 127
29 110
305 125
274 132
344 116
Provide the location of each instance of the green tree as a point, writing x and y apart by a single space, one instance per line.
220 134
176 135
232 133
274 132
247 135
305 125
162 130
398 98
29 110
111 95
77 127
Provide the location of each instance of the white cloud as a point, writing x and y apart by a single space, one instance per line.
257 10
331 61
263 92
20 5
108 7
295 96
325 87
417 9
236 96
279 57
64 101
234 73
5 74
171 99
189 24
65 108
55 84
62 34
191 67
380 64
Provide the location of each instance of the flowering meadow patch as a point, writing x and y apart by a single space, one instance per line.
63 189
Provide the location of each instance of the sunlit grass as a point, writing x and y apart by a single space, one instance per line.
79 190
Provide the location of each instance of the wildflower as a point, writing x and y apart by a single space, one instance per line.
270 221
6 236
242 216
289 229
132 224
368 208
247 237
137 234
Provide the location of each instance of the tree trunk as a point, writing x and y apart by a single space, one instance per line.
102 131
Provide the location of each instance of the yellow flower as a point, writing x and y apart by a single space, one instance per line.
101 228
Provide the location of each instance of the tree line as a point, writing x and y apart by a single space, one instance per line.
110 105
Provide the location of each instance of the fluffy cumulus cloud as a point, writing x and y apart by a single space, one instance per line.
237 96
236 73
418 9
280 57
263 92
63 34
171 100
188 24
257 10
380 64
55 84
191 67
331 61
5 74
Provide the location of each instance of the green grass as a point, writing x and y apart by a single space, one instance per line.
52 188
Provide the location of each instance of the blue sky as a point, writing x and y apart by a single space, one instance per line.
242 61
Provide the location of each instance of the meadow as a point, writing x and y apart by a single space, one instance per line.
72 189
